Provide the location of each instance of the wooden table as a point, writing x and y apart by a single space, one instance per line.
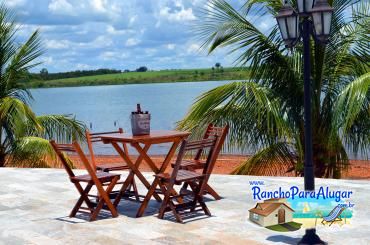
142 145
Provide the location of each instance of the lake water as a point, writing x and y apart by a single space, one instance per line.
105 106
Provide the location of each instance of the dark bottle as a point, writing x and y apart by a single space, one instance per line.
138 109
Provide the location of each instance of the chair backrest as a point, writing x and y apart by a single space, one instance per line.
212 131
61 149
335 212
195 145
95 137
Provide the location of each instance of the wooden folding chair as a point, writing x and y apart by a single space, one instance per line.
197 163
197 181
98 179
92 138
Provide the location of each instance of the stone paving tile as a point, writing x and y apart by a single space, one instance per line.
35 203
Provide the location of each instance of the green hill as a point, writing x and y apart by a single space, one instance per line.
146 77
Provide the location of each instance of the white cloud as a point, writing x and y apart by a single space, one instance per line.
99 5
181 15
101 41
15 3
48 60
81 66
193 48
132 19
150 51
116 33
170 46
113 31
265 25
132 42
110 55
61 7
57 44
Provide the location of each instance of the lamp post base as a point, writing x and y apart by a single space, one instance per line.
311 238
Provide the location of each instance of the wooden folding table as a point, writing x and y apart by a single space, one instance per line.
142 145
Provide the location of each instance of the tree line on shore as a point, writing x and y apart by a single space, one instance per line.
45 75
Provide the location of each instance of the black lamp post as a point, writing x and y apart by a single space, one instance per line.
313 19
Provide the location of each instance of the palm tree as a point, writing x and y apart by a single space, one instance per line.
266 112
23 135
318 214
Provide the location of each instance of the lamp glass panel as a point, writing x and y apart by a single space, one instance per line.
309 5
292 26
317 22
282 26
327 22
300 4
305 6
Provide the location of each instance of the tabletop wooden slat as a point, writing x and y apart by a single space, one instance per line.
155 135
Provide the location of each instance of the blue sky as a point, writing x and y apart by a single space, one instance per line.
120 34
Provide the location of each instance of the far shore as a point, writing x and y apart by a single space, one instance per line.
163 76
226 163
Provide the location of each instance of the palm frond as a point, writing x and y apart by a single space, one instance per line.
24 59
254 117
352 113
62 128
14 114
274 160
33 152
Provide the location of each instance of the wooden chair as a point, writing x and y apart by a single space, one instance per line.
197 181
98 179
196 163
92 138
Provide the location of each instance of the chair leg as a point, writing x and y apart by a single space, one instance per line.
212 192
174 211
104 198
83 197
204 206
165 201
198 197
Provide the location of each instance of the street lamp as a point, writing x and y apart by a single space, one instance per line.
313 18
305 6
321 17
288 21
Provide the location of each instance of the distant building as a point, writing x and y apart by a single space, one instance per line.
271 212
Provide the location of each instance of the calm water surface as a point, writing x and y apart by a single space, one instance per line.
103 107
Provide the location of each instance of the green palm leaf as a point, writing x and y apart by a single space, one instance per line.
267 112
23 135
275 160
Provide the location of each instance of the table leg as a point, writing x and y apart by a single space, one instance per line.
155 183
134 170
145 203
142 152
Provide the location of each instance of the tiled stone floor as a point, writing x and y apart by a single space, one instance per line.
35 203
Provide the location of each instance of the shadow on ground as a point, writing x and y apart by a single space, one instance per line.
284 239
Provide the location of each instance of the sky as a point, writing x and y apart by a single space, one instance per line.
118 34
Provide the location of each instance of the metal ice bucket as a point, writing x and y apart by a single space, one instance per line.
140 124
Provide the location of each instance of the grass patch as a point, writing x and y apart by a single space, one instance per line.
290 226
164 76
295 225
